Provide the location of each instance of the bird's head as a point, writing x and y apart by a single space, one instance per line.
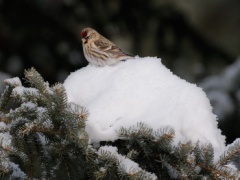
88 34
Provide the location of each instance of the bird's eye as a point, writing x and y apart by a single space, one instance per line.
83 34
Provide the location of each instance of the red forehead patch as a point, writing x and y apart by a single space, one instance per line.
83 34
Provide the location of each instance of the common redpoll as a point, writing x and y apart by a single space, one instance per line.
99 51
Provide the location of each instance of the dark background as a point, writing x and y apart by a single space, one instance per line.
198 40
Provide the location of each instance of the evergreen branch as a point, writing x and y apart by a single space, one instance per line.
35 80
141 131
43 112
208 154
4 161
198 154
67 166
108 164
187 160
24 94
6 95
217 172
230 154
116 164
164 138
132 154
60 98
40 129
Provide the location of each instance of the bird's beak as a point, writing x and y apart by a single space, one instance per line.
84 40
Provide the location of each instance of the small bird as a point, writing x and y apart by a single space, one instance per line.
99 51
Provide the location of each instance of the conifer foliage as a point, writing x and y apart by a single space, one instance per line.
42 136
45 134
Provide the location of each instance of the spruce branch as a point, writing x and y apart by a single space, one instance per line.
132 154
108 165
6 95
44 127
185 160
36 80
164 137
230 154
4 100
112 165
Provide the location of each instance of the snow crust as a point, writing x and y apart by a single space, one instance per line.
15 81
142 90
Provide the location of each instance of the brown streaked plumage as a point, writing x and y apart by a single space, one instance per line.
99 51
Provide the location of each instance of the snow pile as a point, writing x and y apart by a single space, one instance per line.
142 90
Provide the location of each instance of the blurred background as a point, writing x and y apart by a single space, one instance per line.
198 40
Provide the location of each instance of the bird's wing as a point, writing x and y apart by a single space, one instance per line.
104 45
109 47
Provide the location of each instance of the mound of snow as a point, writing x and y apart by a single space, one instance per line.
142 90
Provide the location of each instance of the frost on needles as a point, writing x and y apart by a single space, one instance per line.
43 136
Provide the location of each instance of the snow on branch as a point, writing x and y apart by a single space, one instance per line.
143 90
149 124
